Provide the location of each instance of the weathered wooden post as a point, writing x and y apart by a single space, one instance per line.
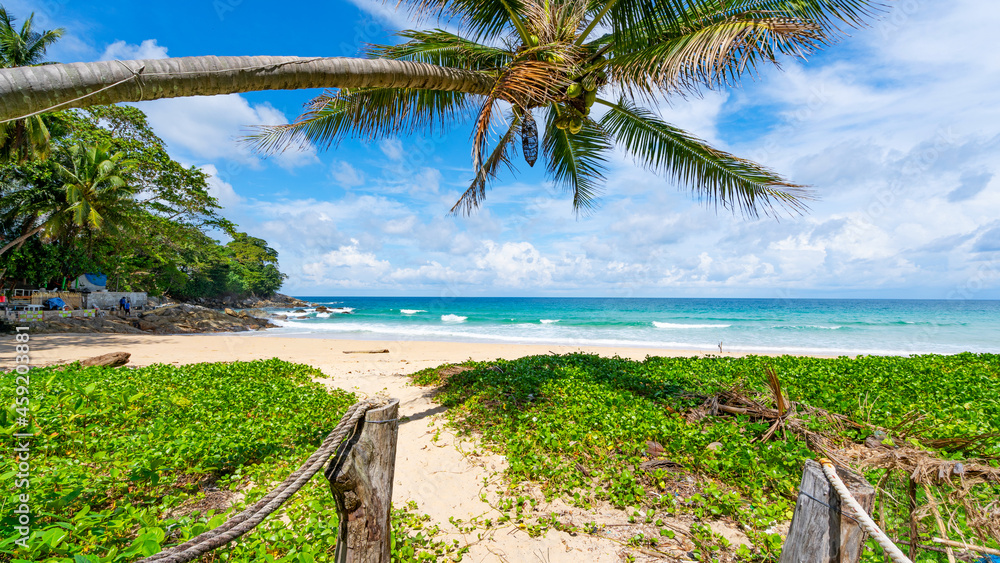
360 476
820 532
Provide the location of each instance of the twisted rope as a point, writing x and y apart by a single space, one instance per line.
860 515
254 515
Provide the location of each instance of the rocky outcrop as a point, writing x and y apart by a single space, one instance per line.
187 318
169 319
276 301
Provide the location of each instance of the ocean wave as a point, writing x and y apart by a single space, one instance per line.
549 321
323 315
453 318
451 332
806 327
411 311
342 310
675 325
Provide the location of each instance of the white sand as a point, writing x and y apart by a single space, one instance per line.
445 476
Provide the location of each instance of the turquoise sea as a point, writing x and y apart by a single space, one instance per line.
795 326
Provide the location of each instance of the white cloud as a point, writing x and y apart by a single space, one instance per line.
391 148
120 50
346 175
516 264
210 128
219 189
346 267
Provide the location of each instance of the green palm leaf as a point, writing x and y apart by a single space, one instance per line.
717 176
443 48
369 113
474 196
577 162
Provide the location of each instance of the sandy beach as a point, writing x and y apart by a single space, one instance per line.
443 474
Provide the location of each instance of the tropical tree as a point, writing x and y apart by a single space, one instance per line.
31 202
514 63
97 193
22 139
551 61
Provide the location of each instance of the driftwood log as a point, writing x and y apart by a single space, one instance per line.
820 531
360 476
114 359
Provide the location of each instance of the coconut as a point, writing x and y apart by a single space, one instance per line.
574 90
589 98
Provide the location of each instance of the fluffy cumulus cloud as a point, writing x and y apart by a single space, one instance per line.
120 50
212 128
347 266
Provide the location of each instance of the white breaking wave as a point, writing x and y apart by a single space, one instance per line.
675 325
549 321
342 310
411 311
453 318
323 315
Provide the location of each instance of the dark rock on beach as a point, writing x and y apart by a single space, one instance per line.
169 319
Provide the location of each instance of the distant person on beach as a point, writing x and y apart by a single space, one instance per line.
121 304
128 306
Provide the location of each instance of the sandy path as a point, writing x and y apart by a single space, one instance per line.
443 475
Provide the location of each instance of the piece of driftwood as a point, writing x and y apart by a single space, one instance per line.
820 532
382 351
360 476
114 359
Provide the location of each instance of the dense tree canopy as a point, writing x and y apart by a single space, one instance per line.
111 199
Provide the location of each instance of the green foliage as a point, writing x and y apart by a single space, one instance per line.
578 424
120 453
160 242
255 263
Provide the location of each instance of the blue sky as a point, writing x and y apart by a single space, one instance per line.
897 128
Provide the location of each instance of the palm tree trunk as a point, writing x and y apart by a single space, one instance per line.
29 90
21 239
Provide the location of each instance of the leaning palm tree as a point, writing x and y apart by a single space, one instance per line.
514 60
573 79
23 139
27 210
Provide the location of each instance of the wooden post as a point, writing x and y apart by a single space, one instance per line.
820 532
360 476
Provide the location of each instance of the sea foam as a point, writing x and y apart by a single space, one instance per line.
675 325
411 311
453 318
549 321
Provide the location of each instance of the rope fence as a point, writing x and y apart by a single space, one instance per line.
247 520
859 514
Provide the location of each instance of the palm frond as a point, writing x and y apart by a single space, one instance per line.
577 162
369 113
716 54
680 45
474 196
482 18
443 48
719 177
830 14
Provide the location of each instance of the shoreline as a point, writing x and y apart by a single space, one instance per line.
328 354
325 351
